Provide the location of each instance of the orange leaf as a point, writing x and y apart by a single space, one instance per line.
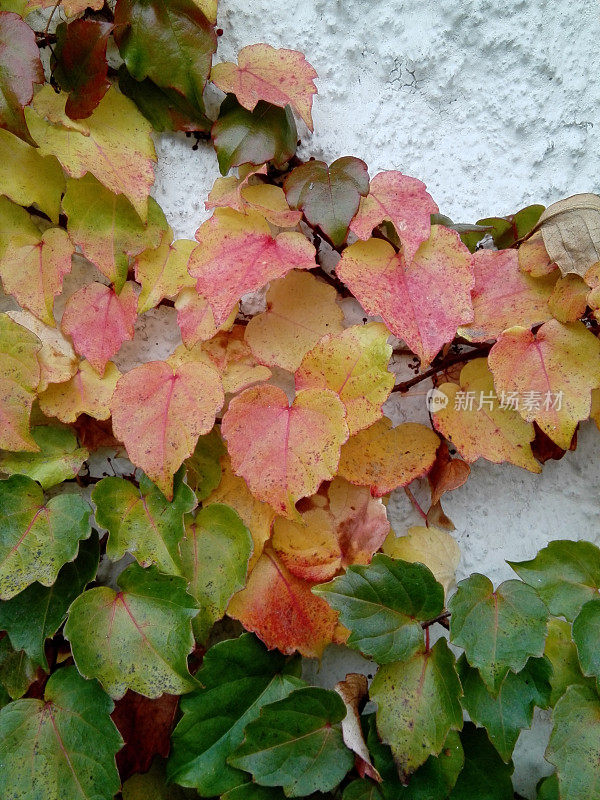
237 254
534 258
446 474
408 296
159 412
282 611
284 452
403 201
279 76
98 321
504 296
195 318
384 458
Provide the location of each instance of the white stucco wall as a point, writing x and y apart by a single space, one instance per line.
494 105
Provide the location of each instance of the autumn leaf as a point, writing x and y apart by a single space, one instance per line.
32 270
281 610
196 320
79 64
112 316
227 192
328 196
533 257
38 537
300 310
56 357
107 227
19 377
568 300
113 143
59 458
557 367
353 691
137 638
159 412
435 548
385 283
488 426
163 272
85 393
446 474
21 69
384 458
269 201
571 232
401 200
278 76
505 296
237 254
284 452
353 364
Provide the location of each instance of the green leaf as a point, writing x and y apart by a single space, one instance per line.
204 465
499 630
383 605
59 458
215 552
586 635
141 521
328 196
62 748
565 574
17 670
297 743
547 788
37 538
153 785
484 776
36 613
4 697
138 638
506 231
505 715
560 650
252 791
418 705
575 743
239 677
169 41
253 137
363 789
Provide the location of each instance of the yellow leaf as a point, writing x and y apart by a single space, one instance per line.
57 358
568 300
85 393
163 272
433 547
19 377
534 258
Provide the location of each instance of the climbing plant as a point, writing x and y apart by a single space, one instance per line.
176 535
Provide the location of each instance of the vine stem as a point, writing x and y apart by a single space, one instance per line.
459 358
442 619
415 503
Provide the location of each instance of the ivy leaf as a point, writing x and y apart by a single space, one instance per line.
418 705
565 574
558 361
107 228
385 283
561 652
505 296
252 791
196 320
547 788
284 452
401 200
281 609
163 272
507 231
264 198
434 548
353 691
278 76
505 715
79 64
142 522
21 68
268 133
385 458
300 310
159 412
17 670
383 605
59 458
146 726
297 743
169 41
33 268
574 743
113 143
239 677
28 178
328 196
215 551
138 638
571 232
486 426
19 377
534 258
237 254
36 613
152 785
112 315
353 364
60 744
85 393
37 537
484 774
585 636
203 467
499 630
568 300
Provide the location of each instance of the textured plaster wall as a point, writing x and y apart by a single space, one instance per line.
494 105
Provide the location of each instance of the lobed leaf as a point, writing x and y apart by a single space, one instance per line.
85 393
434 548
21 69
19 377
59 458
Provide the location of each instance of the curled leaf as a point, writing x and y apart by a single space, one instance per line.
571 232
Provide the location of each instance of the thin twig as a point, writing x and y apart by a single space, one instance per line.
442 619
459 358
